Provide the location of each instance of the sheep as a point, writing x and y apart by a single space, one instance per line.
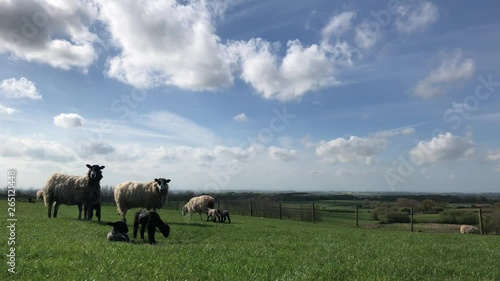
149 195
213 214
469 229
40 195
88 211
223 215
119 231
152 220
198 205
73 190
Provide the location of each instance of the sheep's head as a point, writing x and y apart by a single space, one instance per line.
95 172
163 184
165 230
184 210
119 226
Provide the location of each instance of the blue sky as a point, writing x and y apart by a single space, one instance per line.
253 95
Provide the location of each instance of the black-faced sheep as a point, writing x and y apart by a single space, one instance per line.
73 190
39 195
151 220
119 231
213 214
149 195
198 205
223 215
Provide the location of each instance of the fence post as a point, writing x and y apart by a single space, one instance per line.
480 220
314 214
280 208
218 205
177 206
251 209
411 219
356 214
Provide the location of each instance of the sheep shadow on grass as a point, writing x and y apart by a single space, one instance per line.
196 224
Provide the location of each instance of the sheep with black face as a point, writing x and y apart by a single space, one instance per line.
73 190
119 231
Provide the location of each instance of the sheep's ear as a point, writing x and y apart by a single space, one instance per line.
168 180
157 180
88 166
102 167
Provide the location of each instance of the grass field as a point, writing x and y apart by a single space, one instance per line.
247 249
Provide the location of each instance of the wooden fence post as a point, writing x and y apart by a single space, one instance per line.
314 214
218 205
411 219
251 209
280 208
177 205
480 220
356 214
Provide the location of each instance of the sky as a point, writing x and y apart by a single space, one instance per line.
272 95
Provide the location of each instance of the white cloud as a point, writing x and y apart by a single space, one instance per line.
285 155
6 110
441 148
303 69
338 24
22 88
68 120
34 149
418 16
367 34
342 150
166 43
453 68
395 132
493 155
50 32
242 117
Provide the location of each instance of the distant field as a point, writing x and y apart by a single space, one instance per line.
248 249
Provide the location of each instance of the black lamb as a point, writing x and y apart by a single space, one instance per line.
152 220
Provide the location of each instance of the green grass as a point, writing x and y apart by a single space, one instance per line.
248 249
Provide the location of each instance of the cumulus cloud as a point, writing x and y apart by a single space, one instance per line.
50 32
6 110
453 68
285 155
343 150
242 117
416 16
338 24
166 43
441 148
69 120
493 155
22 88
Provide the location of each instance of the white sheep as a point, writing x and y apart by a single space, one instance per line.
198 205
149 195
39 195
73 190
469 229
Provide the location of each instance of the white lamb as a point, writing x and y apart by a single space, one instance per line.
149 195
469 229
198 205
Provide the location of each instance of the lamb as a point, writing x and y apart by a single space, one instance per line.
213 214
469 229
39 195
119 231
73 190
152 220
88 211
198 205
149 195
223 215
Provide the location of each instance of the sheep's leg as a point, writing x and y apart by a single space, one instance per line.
80 211
49 207
190 216
98 212
201 218
228 218
56 208
124 215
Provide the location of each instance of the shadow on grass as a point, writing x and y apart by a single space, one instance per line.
191 224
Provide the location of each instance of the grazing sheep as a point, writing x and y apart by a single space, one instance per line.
40 195
213 214
223 215
198 205
119 231
149 195
73 190
152 220
469 229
